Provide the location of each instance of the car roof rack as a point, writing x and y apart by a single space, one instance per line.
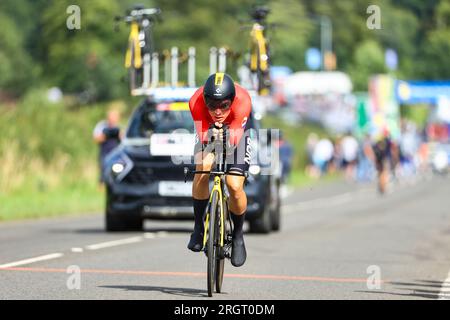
161 94
170 60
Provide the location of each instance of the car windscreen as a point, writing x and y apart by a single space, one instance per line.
160 118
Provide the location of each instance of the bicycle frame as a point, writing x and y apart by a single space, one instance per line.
133 42
259 52
141 21
258 58
217 187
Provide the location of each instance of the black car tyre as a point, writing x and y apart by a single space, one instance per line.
262 224
115 221
275 210
120 222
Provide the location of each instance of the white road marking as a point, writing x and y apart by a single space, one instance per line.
162 234
32 260
97 246
149 235
444 294
285 191
325 202
319 203
113 243
108 244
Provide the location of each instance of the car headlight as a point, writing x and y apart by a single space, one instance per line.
254 169
119 166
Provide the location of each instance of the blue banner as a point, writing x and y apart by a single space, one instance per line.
414 92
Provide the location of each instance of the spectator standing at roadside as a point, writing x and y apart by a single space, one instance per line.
349 148
409 146
286 153
107 135
311 142
322 155
366 158
336 160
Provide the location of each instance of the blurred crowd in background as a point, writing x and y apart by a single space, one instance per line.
408 157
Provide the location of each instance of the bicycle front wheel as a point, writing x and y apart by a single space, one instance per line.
220 262
212 243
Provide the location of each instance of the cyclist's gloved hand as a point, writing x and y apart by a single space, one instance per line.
219 132
230 148
216 132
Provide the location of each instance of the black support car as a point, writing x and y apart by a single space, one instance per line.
145 178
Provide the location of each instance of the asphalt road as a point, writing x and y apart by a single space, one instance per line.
338 241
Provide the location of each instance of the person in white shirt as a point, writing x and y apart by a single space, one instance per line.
323 153
349 147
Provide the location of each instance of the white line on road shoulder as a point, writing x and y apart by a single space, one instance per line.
32 260
324 202
162 234
149 235
444 294
113 243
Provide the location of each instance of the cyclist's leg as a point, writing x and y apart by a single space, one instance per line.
381 173
237 199
238 162
237 207
200 194
203 162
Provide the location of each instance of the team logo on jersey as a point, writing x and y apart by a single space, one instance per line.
248 151
244 122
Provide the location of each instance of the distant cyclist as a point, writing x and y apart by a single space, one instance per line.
382 154
216 106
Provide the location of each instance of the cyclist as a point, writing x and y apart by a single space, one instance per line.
223 104
382 153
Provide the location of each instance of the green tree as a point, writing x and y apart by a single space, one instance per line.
85 60
17 71
349 26
289 40
399 32
367 61
202 24
436 51
443 14
436 47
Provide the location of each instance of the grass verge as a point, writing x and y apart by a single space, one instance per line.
57 202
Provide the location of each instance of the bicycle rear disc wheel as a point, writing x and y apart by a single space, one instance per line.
220 262
211 246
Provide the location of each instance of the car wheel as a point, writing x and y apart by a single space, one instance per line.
275 210
262 224
115 221
120 222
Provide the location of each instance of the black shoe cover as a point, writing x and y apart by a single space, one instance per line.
196 242
238 252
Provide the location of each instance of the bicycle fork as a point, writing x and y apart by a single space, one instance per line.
223 238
